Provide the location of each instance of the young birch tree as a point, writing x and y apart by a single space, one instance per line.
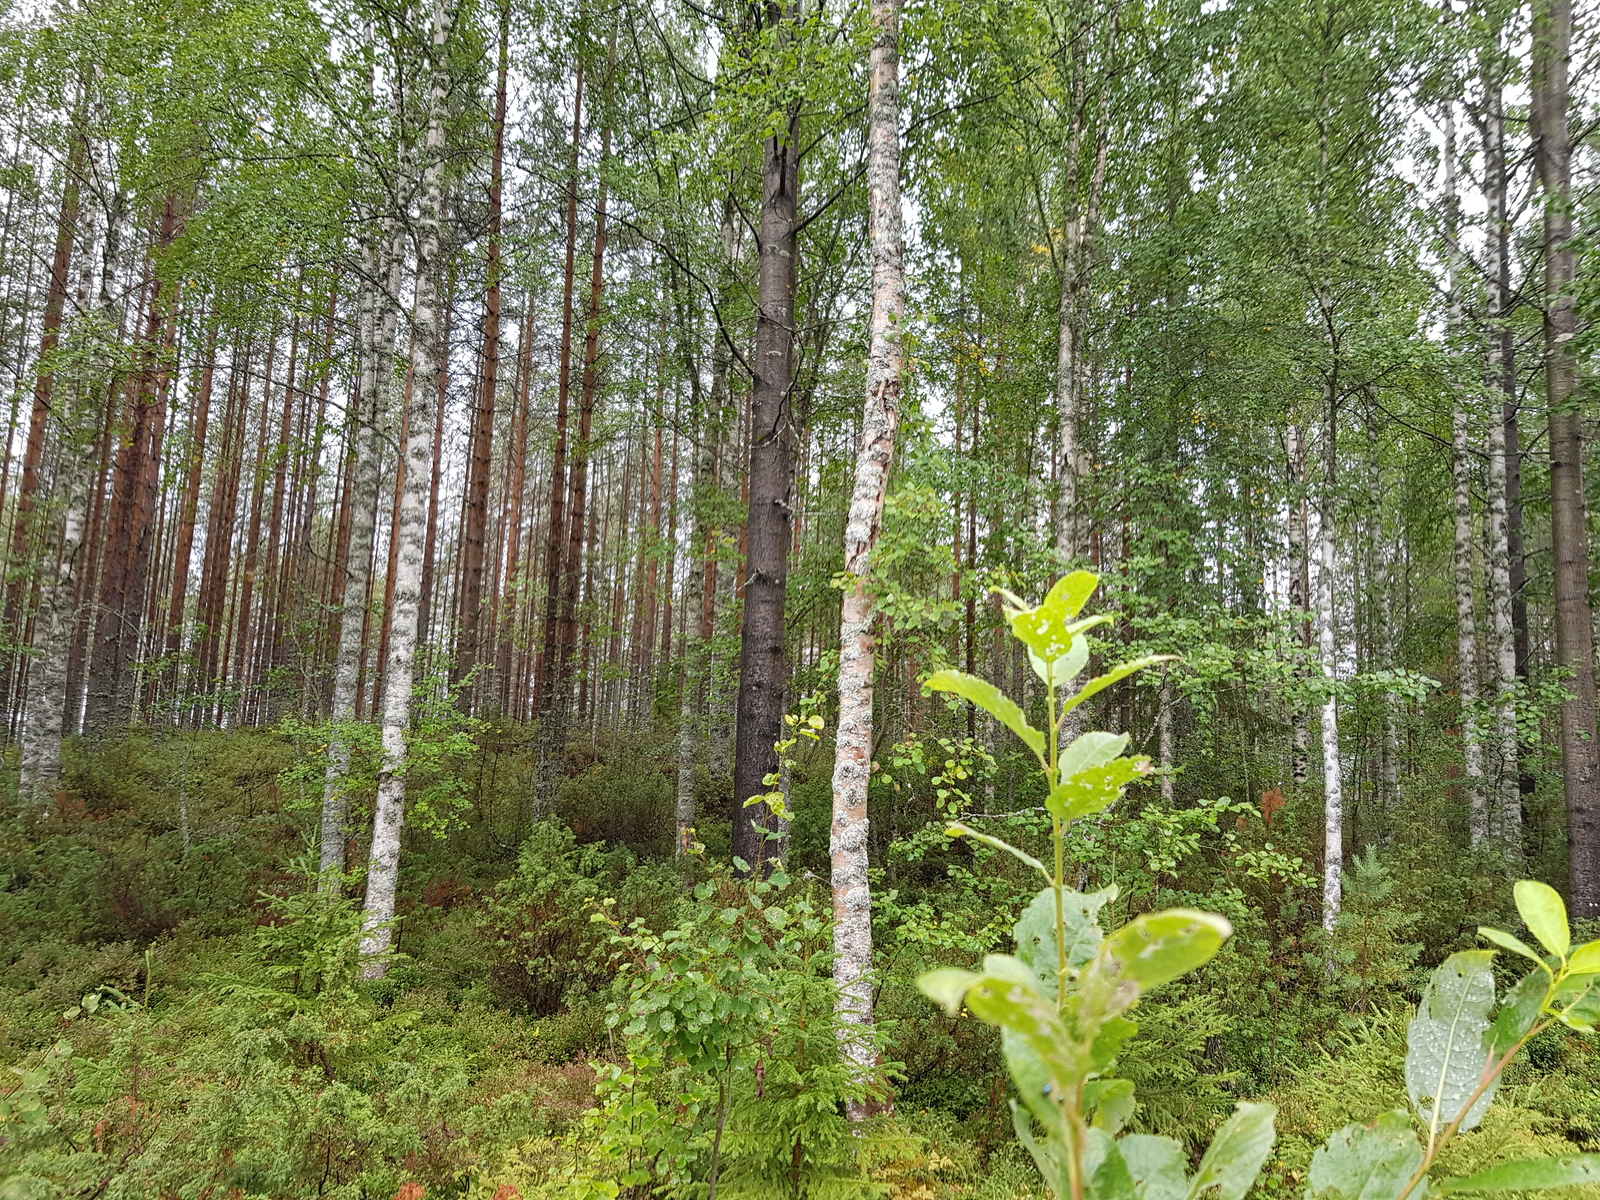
847 843
389 815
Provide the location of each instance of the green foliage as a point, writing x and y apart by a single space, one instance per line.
730 1077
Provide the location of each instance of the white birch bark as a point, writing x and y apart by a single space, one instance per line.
847 843
1461 511
383 862
1299 600
378 307
53 625
1164 734
1332 784
1505 812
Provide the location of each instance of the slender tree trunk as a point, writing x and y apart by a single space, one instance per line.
852 767
1461 508
383 863
377 316
472 553
763 665
53 628
1569 536
43 389
546 704
1333 790
1299 599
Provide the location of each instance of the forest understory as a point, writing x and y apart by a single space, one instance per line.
946 599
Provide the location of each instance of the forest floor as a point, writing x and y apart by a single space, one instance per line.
180 1014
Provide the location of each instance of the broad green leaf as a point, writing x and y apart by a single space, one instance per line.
1035 930
992 700
1064 669
1367 1162
1158 1166
1094 789
1446 1047
1544 913
1510 942
1108 1042
1106 1175
1090 750
946 987
957 829
1153 949
1031 1078
1530 1175
1101 682
1110 1101
1045 629
1234 1158
1007 994
1518 1011
1580 1005
1055 1173
1585 960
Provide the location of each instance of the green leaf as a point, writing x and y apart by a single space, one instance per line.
1090 750
1110 1101
1544 913
1581 1006
1106 1175
946 987
1530 1175
1108 1042
1045 629
1157 1165
957 829
1367 1162
1153 949
1054 1172
1509 942
1585 960
992 700
1446 1046
1518 1011
1064 669
1035 930
1031 1078
1094 789
1237 1150
1101 682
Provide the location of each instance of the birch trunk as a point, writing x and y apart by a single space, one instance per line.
53 625
377 316
1461 509
847 843
389 815
1333 791
1299 599
1505 816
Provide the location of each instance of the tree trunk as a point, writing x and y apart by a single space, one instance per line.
383 863
1333 791
53 628
1569 536
1299 599
43 389
547 707
472 550
852 766
763 666
377 317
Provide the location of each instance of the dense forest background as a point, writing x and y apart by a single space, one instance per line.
442 441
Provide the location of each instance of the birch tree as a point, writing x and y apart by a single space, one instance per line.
383 863
852 766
